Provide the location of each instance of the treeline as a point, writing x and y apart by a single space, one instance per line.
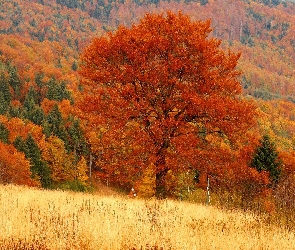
38 120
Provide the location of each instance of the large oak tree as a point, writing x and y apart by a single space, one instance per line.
154 93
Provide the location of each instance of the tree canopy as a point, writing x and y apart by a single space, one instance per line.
157 92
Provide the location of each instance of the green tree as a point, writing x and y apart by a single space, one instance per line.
31 110
77 140
39 79
39 168
37 116
46 128
29 104
56 125
14 80
15 111
3 104
4 88
75 66
203 2
32 94
19 144
266 158
4 133
57 91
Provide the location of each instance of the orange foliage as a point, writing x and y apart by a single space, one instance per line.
17 127
156 91
47 105
14 168
61 164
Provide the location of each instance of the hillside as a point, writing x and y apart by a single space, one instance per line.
45 138
63 220
262 30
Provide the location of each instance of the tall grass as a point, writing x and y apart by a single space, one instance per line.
36 219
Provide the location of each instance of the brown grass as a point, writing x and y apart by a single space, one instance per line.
36 219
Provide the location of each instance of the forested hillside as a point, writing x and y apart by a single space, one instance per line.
45 138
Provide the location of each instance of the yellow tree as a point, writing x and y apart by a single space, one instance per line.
61 164
81 171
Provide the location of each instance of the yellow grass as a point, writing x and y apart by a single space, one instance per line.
36 219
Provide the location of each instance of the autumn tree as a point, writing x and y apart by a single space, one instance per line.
14 167
60 163
153 92
67 173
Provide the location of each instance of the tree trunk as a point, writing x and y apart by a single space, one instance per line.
161 171
161 192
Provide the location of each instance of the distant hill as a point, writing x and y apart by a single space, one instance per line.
263 30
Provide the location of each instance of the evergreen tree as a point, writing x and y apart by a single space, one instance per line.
37 116
3 104
57 91
31 110
53 92
56 125
14 80
19 144
32 94
39 79
75 66
4 133
15 111
203 2
46 128
29 104
39 168
76 138
266 159
4 88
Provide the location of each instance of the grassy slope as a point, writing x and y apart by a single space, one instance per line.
35 219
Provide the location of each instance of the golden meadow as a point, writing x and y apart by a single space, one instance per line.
38 219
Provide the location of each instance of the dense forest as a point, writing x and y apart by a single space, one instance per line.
45 136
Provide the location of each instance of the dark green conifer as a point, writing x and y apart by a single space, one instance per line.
57 91
19 144
14 81
32 94
4 88
39 168
29 104
57 126
3 104
39 79
4 133
266 158
37 116
77 140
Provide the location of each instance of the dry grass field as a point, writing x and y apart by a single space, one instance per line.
36 219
